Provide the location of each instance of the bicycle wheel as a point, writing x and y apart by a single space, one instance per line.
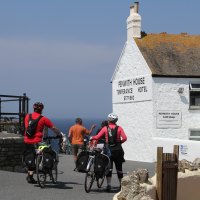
100 181
54 173
89 179
41 175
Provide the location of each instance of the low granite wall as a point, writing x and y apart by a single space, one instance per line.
11 151
137 186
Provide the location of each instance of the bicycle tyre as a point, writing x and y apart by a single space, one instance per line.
54 173
89 179
100 181
41 175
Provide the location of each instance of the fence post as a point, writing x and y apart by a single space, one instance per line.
0 114
159 172
167 174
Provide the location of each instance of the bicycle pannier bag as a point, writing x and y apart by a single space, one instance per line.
49 158
32 125
82 160
100 164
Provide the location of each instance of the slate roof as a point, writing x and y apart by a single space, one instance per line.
171 55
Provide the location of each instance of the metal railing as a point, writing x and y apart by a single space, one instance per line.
13 122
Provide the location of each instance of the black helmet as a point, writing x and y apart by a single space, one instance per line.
38 106
104 123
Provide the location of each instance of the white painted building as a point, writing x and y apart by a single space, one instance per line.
156 92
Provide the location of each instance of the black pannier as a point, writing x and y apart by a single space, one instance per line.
82 160
49 157
100 165
29 159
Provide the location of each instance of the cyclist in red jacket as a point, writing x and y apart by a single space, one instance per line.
114 136
31 143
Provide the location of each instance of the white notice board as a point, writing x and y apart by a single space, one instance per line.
169 119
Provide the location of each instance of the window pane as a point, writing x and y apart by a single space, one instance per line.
195 98
195 133
193 86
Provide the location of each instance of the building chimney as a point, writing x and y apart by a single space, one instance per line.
134 22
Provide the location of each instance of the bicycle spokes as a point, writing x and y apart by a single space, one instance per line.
89 179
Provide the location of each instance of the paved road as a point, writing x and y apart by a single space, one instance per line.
70 186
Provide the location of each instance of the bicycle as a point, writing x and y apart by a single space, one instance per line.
43 171
91 173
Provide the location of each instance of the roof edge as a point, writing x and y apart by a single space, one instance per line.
117 66
176 76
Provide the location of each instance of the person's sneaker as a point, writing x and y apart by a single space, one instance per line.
108 188
31 180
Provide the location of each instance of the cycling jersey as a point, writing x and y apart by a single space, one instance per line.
121 136
44 121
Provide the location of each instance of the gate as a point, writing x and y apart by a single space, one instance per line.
167 174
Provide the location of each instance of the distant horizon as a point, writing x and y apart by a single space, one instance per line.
64 53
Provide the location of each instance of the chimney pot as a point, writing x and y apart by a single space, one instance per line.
136 7
134 22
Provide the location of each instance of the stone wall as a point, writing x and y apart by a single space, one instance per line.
137 186
11 151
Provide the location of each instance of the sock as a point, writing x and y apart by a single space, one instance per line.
108 181
120 182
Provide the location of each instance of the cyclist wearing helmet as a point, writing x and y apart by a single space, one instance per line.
114 136
31 142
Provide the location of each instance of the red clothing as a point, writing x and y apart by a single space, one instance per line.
121 136
44 121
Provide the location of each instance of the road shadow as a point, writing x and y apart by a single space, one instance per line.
59 185
103 190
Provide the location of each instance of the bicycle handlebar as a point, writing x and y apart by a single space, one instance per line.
52 137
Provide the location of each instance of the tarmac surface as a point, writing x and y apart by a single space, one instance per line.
70 185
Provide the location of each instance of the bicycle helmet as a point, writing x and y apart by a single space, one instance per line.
38 106
112 117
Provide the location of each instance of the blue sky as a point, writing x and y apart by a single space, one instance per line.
63 52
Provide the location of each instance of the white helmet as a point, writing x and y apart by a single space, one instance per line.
112 117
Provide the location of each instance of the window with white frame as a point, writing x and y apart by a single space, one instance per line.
194 135
194 89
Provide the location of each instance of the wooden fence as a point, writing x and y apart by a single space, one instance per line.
167 174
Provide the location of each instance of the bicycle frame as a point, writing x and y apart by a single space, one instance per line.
90 172
90 162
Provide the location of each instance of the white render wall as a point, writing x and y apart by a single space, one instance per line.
136 120
133 117
129 65
167 98
139 119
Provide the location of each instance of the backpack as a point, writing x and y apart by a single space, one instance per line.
100 165
82 160
112 136
48 159
32 125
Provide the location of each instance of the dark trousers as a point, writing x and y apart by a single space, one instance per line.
118 166
29 156
117 157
